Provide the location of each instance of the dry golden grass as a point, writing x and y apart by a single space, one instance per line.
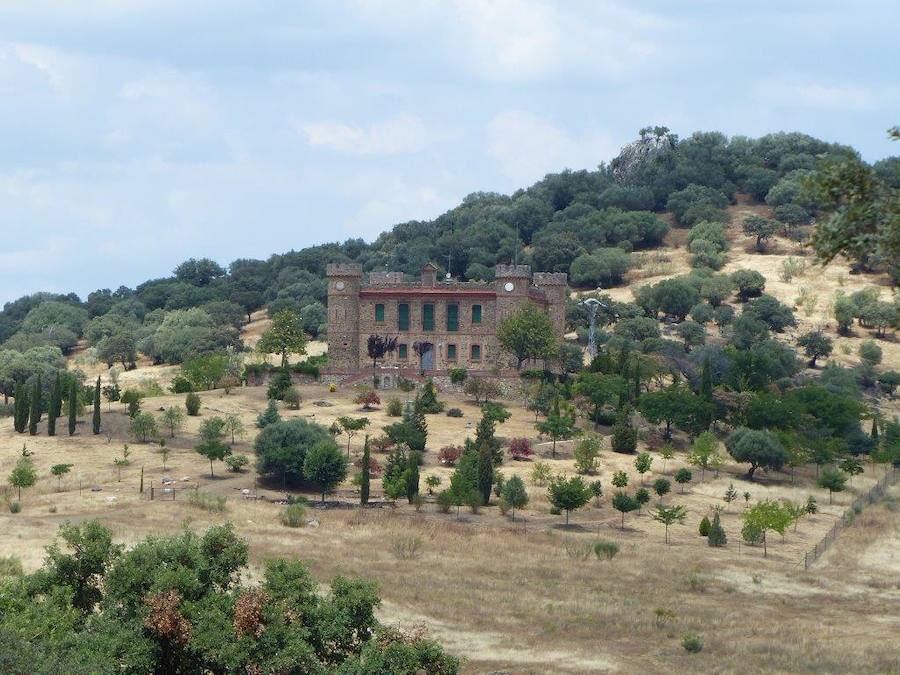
502 594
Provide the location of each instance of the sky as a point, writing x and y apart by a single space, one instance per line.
135 134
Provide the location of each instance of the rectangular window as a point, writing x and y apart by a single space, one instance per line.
476 353
403 316
451 352
402 352
476 313
452 317
379 313
428 317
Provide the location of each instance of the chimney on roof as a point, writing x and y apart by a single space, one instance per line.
429 275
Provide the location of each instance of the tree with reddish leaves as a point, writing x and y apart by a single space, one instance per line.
520 449
377 347
450 454
368 400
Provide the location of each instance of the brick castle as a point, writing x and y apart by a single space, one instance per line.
439 324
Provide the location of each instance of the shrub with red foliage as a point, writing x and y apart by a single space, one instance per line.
520 448
164 618
248 614
448 455
375 469
368 400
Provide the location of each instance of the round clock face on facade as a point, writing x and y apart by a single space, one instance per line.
509 286
339 285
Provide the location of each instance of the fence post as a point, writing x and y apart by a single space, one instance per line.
151 492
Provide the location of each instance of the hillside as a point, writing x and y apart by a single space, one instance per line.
586 223
715 307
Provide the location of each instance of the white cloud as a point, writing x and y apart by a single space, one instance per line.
526 40
28 67
527 147
396 135
170 94
830 96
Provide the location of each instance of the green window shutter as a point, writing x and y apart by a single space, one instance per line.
379 313
452 317
476 352
401 351
403 316
476 313
451 352
428 317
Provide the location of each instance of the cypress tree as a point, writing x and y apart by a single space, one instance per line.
96 420
485 472
412 475
34 413
17 406
141 490
706 386
53 406
73 406
366 476
57 410
875 428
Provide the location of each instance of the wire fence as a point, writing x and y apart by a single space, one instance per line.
872 495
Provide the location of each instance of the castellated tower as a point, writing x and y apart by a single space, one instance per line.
344 284
511 283
555 287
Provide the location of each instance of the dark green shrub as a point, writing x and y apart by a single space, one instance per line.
624 435
704 527
454 412
279 385
192 404
692 643
702 313
181 385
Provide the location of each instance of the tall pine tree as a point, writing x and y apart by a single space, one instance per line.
34 413
96 420
366 475
53 406
73 406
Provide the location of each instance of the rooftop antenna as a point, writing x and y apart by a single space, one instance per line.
447 276
516 248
